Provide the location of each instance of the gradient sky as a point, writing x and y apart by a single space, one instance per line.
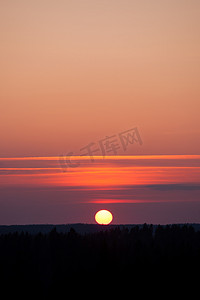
137 189
75 72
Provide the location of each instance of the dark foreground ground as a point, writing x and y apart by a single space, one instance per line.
139 259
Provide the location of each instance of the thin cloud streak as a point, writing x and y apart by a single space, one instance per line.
115 179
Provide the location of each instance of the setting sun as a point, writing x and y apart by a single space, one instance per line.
103 217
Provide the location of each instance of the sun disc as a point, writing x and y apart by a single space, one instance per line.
103 217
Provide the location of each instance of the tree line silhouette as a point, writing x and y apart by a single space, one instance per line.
48 263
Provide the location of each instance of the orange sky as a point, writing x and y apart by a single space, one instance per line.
81 73
153 189
110 172
73 72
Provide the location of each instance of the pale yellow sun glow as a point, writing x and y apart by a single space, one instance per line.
103 217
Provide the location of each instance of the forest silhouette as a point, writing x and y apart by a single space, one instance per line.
48 264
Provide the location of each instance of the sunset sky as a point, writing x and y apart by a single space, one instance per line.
83 72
